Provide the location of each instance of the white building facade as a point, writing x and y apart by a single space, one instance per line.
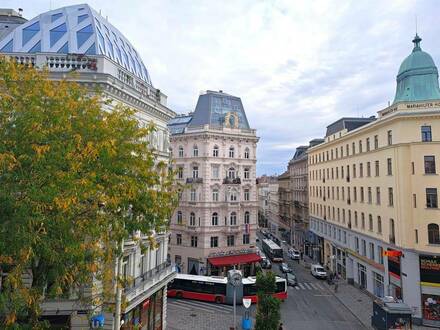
214 155
77 38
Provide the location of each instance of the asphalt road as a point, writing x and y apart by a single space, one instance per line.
312 306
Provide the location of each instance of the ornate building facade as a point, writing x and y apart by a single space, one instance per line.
77 38
373 193
214 154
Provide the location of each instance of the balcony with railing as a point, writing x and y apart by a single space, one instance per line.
232 180
160 274
194 180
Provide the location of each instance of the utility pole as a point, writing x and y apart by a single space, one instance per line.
117 321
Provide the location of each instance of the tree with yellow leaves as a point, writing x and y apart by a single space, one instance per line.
75 181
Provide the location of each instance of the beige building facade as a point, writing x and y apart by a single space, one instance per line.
214 153
373 188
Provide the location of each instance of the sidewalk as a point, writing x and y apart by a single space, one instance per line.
359 303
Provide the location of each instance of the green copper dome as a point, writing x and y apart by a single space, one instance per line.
417 79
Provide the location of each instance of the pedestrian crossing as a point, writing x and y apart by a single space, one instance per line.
309 286
192 305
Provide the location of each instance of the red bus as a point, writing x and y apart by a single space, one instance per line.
216 289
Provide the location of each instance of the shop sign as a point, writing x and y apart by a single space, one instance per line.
430 269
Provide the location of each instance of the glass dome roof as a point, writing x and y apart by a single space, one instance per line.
77 29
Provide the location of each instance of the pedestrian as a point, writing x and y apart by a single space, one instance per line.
281 327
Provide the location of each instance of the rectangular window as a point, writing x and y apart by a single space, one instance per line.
378 195
389 166
426 134
370 222
412 168
379 225
180 172
355 194
356 244
390 197
215 195
354 170
214 241
429 164
414 200
215 172
360 146
230 240
178 239
193 241
362 194
431 198
361 170
364 247
380 254
195 172
376 165
416 236
372 257
370 196
390 137
193 195
368 144
376 142
246 194
353 148
368 169
246 239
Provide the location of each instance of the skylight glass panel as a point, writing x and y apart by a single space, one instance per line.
64 49
82 18
55 17
101 42
36 48
57 33
8 47
91 50
29 32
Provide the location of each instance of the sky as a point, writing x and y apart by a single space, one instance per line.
298 66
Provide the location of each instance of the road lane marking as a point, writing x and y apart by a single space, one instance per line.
313 285
319 286
297 287
307 286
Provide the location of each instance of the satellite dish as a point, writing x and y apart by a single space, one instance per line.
247 302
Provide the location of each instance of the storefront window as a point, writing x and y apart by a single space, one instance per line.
378 284
431 307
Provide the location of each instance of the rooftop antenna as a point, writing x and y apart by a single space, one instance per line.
416 23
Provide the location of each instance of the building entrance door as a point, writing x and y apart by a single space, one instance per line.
362 276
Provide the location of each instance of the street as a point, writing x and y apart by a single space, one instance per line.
311 305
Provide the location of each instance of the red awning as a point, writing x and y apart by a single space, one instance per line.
234 260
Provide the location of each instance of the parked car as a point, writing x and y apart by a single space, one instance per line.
291 279
266 264
318 271
294 254
285 268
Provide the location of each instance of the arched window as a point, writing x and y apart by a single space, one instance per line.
215 151
231 173
195 151
231 152
246 153
192 219
433 234
179 217
370 222
180 151
247 217
233 218
379 225
214 219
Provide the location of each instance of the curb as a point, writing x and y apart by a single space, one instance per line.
366 326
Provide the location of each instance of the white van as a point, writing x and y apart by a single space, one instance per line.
318 271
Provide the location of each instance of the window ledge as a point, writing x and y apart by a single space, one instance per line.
433 244
430 174
431 208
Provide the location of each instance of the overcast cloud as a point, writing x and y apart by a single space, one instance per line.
297 65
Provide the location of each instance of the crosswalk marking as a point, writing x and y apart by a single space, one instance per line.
297 287
191 304
300 284
307 286
314 286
